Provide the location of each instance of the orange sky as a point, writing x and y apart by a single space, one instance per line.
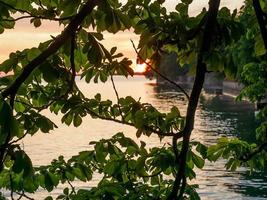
24 35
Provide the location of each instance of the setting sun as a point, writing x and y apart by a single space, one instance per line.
140 68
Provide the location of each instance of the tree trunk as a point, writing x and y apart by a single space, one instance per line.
262 20
194 97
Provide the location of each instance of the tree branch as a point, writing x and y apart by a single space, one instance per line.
38 17
17 140
117 96
182 188
54 46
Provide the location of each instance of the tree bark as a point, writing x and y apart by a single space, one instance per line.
194 97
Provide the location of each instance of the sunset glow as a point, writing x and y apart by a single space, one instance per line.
140 68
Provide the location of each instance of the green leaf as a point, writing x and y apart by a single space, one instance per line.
215 62
69 7
8 24
62 196
50 73
95 55
44 124
190 173
175 111
113 50
139 119
110 168
103 77
22 163
155 7
98 36
187 1
154 180
24 5
141 163
29 185
182 9
79 174
49 198
259 46
100 154
15 128
33 53
202 149
1 29
67 118
8 65
50 181
124 19
139 133
98 97
77 120
198 161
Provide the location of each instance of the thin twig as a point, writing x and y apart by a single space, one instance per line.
17 19
24 195
25 134
20 196
72 187
11 186
41 5
117 96
30 15
160 74
17 140
38 17
39 109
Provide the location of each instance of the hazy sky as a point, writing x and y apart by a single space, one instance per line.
24 35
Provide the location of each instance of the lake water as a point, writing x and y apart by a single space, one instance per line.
216 116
